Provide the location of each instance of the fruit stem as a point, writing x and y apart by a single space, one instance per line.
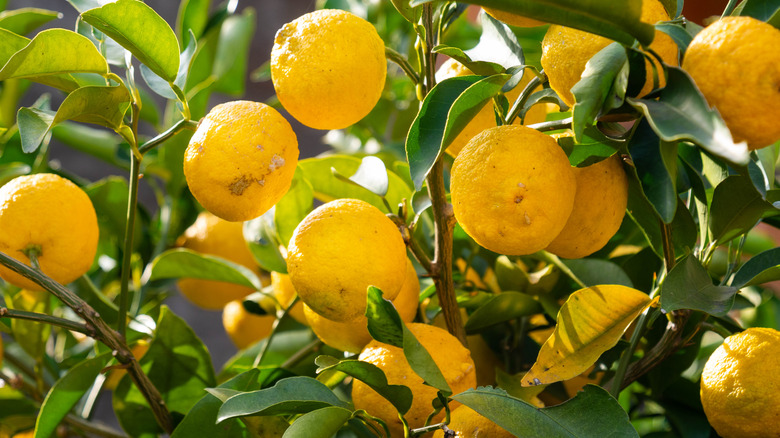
46 319
668 246
277 323
407 68
173 130
132 200
522 99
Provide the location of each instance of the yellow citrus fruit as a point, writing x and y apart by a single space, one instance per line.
139 349
513 19
50 216
485 360
512 189
340 249
486 117
740 389
452 358
735 62
328 68
352 336
241 160
217 237
243 327
599 206
565 51
284 291
467 423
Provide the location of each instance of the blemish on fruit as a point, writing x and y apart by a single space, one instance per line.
238 186
527 219
276 162
518 199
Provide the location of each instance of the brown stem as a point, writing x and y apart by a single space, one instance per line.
103 333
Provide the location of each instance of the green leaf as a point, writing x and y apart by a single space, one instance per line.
230 60
109 197
53 52
482 68
160 85
294 206
201 420
422 363
192 19
185 263
139 29
763 10
602 87
678 33
399 395
263 241
592 148
594 272
684 230
761 268
500 308
10 43
599 17
689 286
655 163
408 12
68 390
682 113
736 208
31 336
322 423
371 175
384 323
33 125
293 395
25 20
574 418
10 171
497 44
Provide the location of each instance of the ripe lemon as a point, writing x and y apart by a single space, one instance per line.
328 68
48 215
599 206
450 356
245 328
352 336
740 390
340 249
214 236
565 51
486 117
284 291
139 349
467 423
512 189
241 160
513 19
735 62
485 360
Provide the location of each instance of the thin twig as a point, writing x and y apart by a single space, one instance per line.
46 319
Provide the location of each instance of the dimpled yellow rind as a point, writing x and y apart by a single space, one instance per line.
599 206
467 423
450 356
735 62
284 291
513 19
245 328
328 68
486 118
241 160
353 335
740 388
52 213
217 237
565 51
512 189
340 249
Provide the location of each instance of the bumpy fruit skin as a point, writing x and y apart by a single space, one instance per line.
51 213
467 423
241 160
735 62
599 206
565 51
486 117
340 249
450 356
245 328
513 19
512 189
284 291
352 336
217 237
328 68
740 389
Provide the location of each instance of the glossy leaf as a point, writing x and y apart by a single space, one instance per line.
230 60
592 147
761 268
294 206
590 322
10 43
482 68
594 272
736 208
372 175
139 29
263 241
68 390
602 87
655 163
408 12
599 17
24 20
682 113
160 85
689 286
399 395
293 395
185 263
574 418
500 308
497 44
322 423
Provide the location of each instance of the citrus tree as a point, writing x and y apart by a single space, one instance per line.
549 234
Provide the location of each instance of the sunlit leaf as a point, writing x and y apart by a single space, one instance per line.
25 20
602 87
322 423
497 44
590 322
231 57
263 240
294 206
185 263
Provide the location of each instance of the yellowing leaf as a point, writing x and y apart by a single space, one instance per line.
589 323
